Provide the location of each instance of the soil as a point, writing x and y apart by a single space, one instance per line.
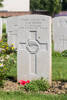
10 86
58 87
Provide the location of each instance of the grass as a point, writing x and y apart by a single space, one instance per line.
13 66
34 96
4 28
59 68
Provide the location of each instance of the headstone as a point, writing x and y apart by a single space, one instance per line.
60 33
15 5
34 47
4 20
0 28
12 27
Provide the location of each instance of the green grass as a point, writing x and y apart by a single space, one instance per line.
59 68
4 28
22 96
4 35
12 65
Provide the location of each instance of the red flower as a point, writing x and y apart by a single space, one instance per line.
28 81
22 82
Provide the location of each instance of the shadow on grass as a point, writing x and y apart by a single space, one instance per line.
11 78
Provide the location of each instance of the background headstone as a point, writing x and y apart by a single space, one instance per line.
12 27
34 47
0 28
15 5
60 33
4 20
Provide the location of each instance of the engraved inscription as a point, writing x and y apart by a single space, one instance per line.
32 46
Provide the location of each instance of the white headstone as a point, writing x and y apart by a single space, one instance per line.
15 5
34 47
60 33
4 20
12 27
0 28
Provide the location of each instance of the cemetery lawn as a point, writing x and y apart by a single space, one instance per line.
31 96
59 68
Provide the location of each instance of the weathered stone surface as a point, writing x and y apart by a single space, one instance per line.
60 33
34 47
12 27
0 28
4 20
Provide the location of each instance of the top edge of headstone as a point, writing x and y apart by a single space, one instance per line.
31 15
0 18
60 17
